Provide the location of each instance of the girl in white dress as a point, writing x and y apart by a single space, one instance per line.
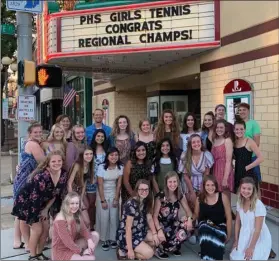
107 204
252 236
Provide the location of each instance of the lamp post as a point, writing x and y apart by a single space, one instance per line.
5 63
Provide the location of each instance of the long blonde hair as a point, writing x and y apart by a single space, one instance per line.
43 165
160 130
254 196
52 139
75 141
65 208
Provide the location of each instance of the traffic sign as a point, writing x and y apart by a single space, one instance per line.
26 108
8 29
29 6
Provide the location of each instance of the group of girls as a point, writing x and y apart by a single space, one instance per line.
148 177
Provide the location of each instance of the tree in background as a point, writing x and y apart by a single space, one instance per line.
8 42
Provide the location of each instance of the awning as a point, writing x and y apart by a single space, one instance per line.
116 41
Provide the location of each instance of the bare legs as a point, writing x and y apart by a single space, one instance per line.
83 244
25 231
17 234
92 208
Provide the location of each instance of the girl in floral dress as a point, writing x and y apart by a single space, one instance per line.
31 155
172 231
136 233
41 195
135 169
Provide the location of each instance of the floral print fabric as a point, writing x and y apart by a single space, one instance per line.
139 227
37 192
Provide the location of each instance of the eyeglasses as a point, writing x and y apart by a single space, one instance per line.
143 190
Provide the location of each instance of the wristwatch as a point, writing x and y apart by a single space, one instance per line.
103 201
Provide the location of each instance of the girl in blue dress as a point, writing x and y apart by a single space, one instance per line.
136 232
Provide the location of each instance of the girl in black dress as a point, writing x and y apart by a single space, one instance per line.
243 150
213 210
39 197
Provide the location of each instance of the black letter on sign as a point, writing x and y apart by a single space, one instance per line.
98 18
186 9
80 43
82 19
141 38
137 14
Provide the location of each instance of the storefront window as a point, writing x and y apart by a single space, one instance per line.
77 107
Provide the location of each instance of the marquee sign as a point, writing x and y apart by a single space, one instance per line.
170 24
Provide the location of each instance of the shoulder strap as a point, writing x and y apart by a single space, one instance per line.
246 142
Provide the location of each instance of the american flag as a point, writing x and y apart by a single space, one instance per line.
69 94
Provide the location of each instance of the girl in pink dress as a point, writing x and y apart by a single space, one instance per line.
222 151
71 239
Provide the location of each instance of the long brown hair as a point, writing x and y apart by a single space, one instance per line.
65 208
227 133
177 192
188 156
148 201
115 128
160 130
43 165
210 113
79 180
203 193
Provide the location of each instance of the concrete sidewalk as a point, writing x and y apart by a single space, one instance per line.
189 252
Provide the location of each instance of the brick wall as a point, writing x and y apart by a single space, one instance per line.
131 104
263 74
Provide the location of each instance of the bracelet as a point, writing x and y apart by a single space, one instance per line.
159 229
103 201
190 218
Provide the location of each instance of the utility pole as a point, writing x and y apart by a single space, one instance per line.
24 52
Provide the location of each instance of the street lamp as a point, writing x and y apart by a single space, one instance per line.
5 62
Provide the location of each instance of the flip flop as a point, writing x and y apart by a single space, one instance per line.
20 247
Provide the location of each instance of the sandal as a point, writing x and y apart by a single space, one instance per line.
120 257
272 254
33 257
42 257
21 246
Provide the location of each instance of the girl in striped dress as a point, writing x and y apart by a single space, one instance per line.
213 210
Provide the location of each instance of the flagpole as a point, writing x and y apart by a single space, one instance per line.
64 84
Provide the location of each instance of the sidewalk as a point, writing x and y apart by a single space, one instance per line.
189 252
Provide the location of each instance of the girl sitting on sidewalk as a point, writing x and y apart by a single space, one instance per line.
71 239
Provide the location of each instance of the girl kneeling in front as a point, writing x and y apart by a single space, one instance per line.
133 238
71 239
172 230
213 210
252 236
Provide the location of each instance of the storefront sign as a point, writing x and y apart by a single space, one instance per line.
26 108
236 86
167 25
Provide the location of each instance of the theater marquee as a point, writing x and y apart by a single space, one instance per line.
171 24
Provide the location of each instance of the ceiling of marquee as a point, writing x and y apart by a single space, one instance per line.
111 67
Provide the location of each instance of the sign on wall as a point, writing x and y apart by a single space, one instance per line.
105 107
26 108
237 91
167 25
